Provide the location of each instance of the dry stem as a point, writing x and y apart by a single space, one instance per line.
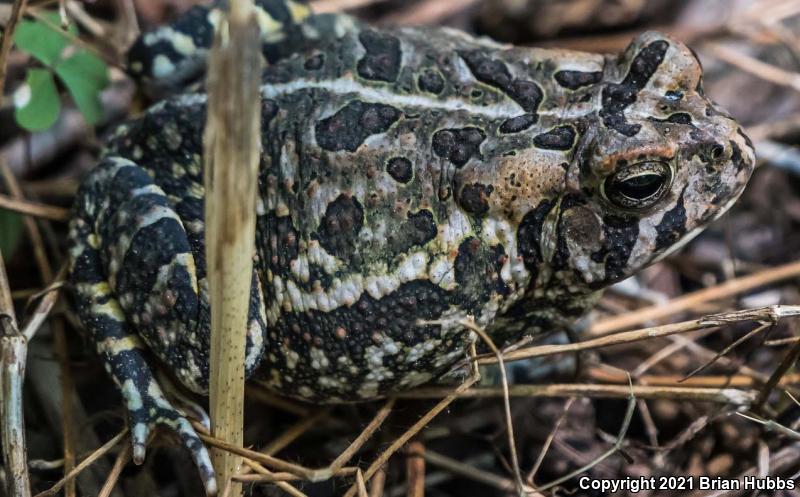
13 353
379 462
119 464
731 396
231 153
97 454
615 448
34 209
690 300
8 40
769 314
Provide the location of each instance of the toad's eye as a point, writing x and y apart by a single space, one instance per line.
638 186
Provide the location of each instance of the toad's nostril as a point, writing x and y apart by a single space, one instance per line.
716 151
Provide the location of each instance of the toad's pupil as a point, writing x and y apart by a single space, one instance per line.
640 187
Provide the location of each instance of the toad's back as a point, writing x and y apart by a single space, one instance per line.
410 179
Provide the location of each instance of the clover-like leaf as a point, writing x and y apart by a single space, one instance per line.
43 40
36 102
85 75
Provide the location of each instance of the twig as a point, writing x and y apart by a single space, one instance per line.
362 438
779 155
787 362
419 425
428 12
474 474
8 40
615 448
757 68
48 299
34 209
770 425
119 464
723 352
415 469
362 486
781 341
773 129
377 483
13 353
97 454
769 314
546 446
704 353
39 251
690 300
295 431
281 480
333 6
270 461
735 381
67 386
231 137
733 396
60 342
512 445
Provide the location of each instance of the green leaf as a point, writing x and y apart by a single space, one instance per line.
10 232
42 41
85 75
36 101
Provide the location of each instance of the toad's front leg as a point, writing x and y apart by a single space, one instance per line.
139 281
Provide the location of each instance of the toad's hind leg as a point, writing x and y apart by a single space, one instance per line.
135 277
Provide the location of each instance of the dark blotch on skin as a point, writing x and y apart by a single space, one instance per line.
677 118
672 226
352 124
400 169
419 229
680 118
269 109
382 60
747 139
736 156
618 96
477 270
620 237
474 198
282 240
529 235
615 98
495 73
338 231
193 23
576 79
315 62
519 123
645 64
560 138
431 81
487 70
527 94
458 145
